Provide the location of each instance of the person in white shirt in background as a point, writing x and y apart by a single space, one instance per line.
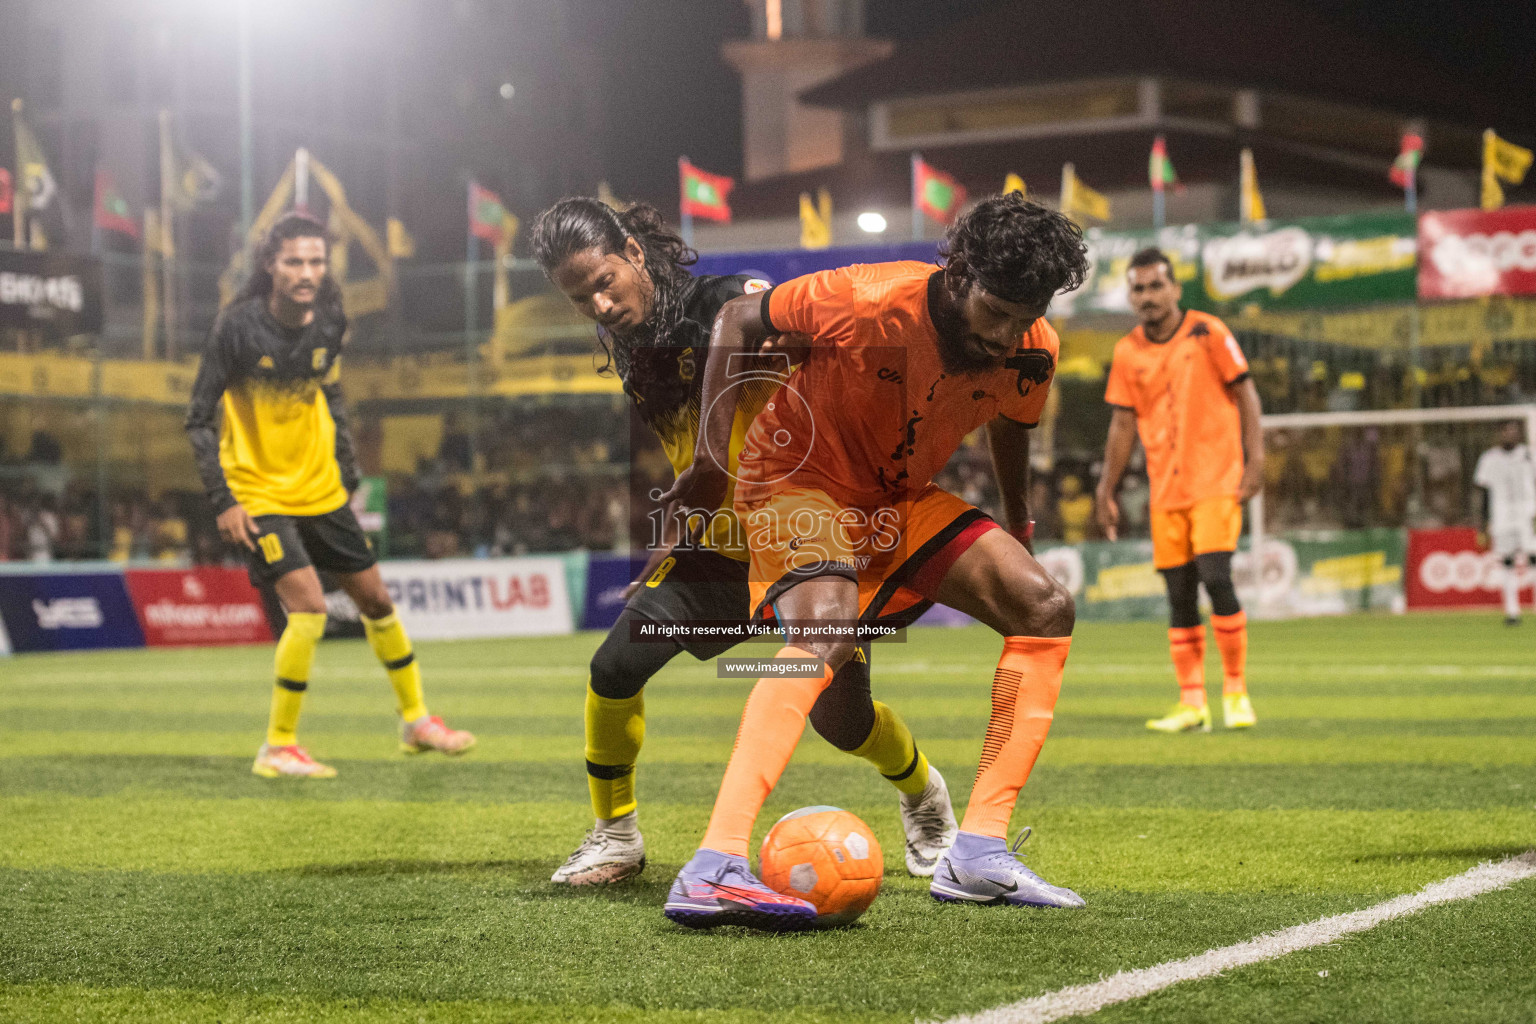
1507 476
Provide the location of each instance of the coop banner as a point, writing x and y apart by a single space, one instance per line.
464 597
1473 253
1311 263
197 607
68 611
1447 569
1323 573
52 291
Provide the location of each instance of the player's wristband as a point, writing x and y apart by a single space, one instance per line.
1025 533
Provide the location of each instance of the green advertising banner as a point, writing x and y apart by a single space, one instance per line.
1315 262
370 504
1316 573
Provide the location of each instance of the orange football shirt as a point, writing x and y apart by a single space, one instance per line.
1188 422
871 414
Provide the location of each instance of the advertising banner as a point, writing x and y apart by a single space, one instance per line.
607 578
480 597
1471 253
787 264
1446 569
1320 573
1310 263
197 607
68 611
52 291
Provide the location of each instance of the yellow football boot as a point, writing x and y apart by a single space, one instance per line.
1237 711
1183 718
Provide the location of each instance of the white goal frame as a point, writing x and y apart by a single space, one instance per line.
1378 418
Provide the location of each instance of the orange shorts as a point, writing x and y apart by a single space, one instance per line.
1179 534
898 554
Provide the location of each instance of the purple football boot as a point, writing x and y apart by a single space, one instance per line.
717 888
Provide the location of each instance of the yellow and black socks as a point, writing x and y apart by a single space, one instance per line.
891 749
295 654
387 638
615 733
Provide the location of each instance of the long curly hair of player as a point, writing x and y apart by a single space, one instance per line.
579 223
1015 249
259 284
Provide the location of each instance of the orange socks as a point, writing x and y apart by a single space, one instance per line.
1232 640
770 727
1186 644
1024 692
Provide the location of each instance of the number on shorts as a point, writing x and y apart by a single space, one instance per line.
271 547
661 571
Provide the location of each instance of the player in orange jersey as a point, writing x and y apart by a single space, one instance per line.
1181 381
834 488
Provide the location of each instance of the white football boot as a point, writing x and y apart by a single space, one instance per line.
929 821
612 851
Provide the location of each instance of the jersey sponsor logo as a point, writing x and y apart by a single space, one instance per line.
68 613
686 366
756 284
1033 364
1199 330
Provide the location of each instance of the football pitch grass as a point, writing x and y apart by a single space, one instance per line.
146 875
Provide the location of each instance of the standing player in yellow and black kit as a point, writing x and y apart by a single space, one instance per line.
627 273
278 472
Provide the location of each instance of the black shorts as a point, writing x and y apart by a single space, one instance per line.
696 585
333 542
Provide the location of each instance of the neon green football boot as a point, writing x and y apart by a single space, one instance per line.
1183 718
1237 711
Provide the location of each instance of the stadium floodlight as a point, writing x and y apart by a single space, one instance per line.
872 222
507 91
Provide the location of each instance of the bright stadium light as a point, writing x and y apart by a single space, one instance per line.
507 91
872 222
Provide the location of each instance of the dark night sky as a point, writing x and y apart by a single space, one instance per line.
668 90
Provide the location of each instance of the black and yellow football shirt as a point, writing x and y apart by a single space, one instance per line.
283 447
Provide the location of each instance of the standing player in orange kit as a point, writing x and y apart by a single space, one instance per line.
1181 381
834 487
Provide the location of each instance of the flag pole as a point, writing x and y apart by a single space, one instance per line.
1159 214
471 306
917 214
1068 176
167 238
19 195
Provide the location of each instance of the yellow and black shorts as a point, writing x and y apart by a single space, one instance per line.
333 542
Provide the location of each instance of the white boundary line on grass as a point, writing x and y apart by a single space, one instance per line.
1083 999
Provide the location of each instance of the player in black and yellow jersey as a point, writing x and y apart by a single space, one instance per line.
627 272
278 471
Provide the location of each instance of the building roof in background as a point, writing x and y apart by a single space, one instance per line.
1275 45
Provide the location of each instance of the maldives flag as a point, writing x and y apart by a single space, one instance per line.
487 214
112 213
935 193
704 194
1160 169
1407 163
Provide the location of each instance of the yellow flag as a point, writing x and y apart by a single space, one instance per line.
1078 200
401 245
1250 201
1502 161
1014 183
816 220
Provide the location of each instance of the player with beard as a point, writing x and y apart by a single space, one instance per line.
278 470
834 486
1180 380
627 273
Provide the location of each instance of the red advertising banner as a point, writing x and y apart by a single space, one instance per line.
1446 569
1469 253
197 607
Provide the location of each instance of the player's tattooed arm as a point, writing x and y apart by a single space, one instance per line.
202 423
1117 452
1246 395
346 454
1008 441
740 329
